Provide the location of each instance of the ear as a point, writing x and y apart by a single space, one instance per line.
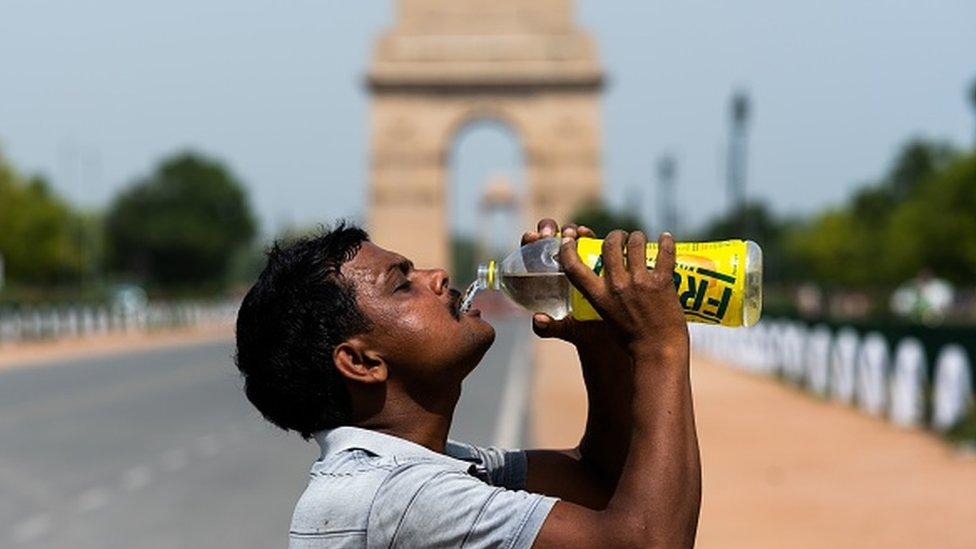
356 361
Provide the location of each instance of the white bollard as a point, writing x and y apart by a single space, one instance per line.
843 366
872 374
793 344
908 379
87 321
953 388
817 359
762 348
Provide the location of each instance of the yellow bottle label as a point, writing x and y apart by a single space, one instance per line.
709 278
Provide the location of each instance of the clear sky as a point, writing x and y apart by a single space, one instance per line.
93 93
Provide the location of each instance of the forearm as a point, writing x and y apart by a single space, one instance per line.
656 499
608 375
661 480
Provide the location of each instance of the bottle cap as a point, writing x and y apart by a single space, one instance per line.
487 275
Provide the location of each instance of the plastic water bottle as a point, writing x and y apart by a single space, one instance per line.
717 282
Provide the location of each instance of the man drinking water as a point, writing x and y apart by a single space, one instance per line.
351 344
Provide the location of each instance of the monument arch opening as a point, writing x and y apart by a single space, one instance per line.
485 193
445 63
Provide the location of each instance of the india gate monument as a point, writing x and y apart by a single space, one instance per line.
448 63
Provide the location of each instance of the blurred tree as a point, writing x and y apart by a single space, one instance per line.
180 227
602 218
937 228
853 246
972 101
917 161
834 250
41 238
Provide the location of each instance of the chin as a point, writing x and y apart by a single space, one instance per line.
478 340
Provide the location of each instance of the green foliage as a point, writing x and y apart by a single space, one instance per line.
603 219
181 226
42 240
972 94
833 249
917 162
937 229
917 216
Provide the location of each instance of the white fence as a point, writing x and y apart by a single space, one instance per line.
850 368
48 323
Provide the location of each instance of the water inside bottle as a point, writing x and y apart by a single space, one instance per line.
539 292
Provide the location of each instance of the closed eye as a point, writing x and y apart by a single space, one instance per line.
404 287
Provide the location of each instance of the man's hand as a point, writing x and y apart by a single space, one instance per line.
657 496
584 335
639 305
588 473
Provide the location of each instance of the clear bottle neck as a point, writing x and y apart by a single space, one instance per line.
488 278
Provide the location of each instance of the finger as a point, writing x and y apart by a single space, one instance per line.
636 252
613 258
545 326
665 255
569 230
547 227
530 236
584 279
583 230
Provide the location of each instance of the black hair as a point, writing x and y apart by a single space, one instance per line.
288 325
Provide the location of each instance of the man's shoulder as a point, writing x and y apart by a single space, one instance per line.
358 498
339 494
343 488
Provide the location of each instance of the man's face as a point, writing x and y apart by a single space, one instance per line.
416 324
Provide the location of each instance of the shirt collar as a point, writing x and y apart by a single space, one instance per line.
340 439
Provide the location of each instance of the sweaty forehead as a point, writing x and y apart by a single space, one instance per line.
369 264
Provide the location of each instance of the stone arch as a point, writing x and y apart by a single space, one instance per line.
446 63
483 112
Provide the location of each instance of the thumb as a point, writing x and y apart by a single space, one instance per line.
545 326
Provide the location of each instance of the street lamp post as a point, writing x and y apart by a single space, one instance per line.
740 111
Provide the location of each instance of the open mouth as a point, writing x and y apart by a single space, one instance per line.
454 305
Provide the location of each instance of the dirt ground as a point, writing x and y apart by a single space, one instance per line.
27 354
784 469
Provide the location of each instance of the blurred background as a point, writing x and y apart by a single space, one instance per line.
150 153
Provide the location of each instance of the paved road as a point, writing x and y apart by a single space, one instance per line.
159 449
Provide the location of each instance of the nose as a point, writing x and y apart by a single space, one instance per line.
439 281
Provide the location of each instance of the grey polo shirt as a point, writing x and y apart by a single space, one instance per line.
374 490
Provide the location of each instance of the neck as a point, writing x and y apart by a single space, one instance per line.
426 424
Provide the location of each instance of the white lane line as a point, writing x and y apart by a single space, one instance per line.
93 499
137 477
174 460
32 528
511 409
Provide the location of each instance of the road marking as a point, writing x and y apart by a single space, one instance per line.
511 409
32 528
137 477
174 460
93 499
